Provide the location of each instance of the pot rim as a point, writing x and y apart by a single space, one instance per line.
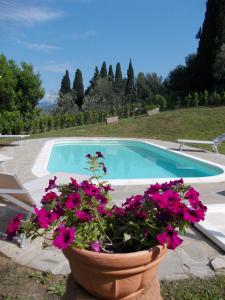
139 253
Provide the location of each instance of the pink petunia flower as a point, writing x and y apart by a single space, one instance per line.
103 211
118 211
65 237
74 182
51 184
90 189
73 201
49 197
170 238
99 154
45 217
192 196
194 215
95 246
83 216
14 226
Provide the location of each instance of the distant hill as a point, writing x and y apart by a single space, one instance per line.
46 106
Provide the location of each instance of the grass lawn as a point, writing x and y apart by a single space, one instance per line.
194 123
22 283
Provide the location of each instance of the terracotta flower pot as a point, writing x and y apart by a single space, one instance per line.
117 276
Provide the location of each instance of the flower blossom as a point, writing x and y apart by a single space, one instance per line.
84 216
65 237
95 246
192 196
49 197
90 189
73 201
74 182
194 215
14 226
99 154
169 237
51 184
45 217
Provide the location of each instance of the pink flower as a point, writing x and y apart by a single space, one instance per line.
142 215
95 246
169 237
103 167
49 197
14 226
65 237
88 156
102 199
103 211
90 189
171 197
133 202
118 211
84 216
45 217
74 182
194 215
73 201
99 154
51 184
192 196
107 188
154 188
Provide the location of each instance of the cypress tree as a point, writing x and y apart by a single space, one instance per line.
211 39
118 75
111 74
93 81
78 88
103 72
119 85
130 90
65 84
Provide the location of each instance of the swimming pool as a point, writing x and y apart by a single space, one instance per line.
130 161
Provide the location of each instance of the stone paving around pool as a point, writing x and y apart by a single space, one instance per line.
192 258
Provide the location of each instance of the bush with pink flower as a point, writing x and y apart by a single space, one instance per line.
81 215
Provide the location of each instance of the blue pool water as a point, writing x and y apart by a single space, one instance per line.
127 160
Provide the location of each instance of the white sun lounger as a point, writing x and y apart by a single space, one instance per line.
215 143
29 194
214 224
4 158
17 137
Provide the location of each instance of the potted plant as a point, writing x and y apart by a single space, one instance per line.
114 252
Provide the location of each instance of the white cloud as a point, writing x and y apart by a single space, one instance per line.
55 68
84 35
38 47
26 13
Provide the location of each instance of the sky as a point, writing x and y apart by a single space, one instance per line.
55 35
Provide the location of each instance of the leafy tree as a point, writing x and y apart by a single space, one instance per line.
143 91
65 84
78 88
211 40
28 90
111 74
219 67
154 82
130 90
183 78
103 72
8 82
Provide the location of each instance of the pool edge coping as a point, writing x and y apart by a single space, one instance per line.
40 166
